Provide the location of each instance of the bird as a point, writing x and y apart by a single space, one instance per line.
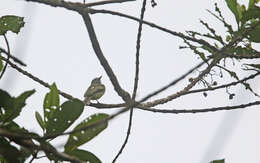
95 91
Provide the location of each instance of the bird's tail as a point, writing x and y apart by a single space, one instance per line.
87 100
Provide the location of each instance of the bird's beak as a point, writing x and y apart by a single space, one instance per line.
99 77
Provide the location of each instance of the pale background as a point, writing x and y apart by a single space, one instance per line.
55 46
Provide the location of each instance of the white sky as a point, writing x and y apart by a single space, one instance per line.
55 46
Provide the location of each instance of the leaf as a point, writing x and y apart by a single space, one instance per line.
232 5
84 156
252 13
51 102
254 35
63 117
11 23
12 106
39 120
218 161
10 153
82 137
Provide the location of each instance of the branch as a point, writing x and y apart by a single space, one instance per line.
103 61
92 125
243 56
186 89
65 95
214 109
8 57
139 34
13 57
172 83
178 34
91 4
18 139
223 86
75 6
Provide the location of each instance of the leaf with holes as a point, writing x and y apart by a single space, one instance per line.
51 102
83 136
63 117
84 156
11 23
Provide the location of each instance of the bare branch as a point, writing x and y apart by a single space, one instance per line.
8 57
12 57
103 61
139 34
186 89
213 109
172 83
178 34
65 95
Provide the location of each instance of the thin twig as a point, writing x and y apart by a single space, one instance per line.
65 95
205 110
223 86
178 34
139 34
8 57
172 83
13 57
186 89
103 61
91 4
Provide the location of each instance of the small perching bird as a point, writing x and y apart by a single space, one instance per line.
95 91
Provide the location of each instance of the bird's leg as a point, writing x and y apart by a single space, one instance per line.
84 1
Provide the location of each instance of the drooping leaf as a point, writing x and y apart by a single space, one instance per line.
82 137
84 155
11 23
39 120
63 117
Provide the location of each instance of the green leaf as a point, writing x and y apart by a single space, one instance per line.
252 13
11 23
39 120
63 117
84 156
218 161
10 153
12 106
254 35
79 138
232 5
51 102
